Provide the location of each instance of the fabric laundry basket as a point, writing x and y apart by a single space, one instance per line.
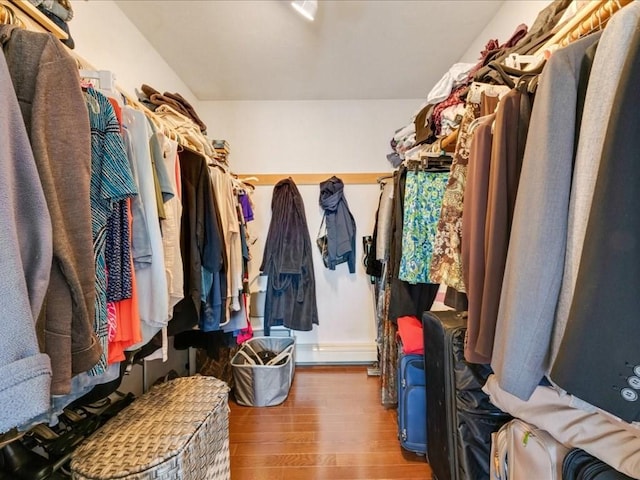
264 380
179 430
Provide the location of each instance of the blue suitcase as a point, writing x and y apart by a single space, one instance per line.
412 403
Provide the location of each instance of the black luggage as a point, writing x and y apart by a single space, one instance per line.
579 465
460 418
412 406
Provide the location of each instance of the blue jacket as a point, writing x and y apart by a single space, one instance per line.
341 227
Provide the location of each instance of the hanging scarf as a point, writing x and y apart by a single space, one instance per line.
341 227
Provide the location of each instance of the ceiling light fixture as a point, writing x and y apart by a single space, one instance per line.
306 8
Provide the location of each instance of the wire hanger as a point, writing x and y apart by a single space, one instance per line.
92 103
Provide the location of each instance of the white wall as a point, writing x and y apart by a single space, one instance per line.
108 40
327 137
511 14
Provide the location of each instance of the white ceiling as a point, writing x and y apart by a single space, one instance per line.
355 49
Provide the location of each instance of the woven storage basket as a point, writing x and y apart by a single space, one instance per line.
179 430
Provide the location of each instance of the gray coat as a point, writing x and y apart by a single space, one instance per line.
603 82
599 360
25 237
45 78
537 244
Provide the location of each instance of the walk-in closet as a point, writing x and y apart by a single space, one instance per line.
319 239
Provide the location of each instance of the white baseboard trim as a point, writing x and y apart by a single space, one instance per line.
335 353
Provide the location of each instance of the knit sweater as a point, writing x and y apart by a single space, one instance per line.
46 82
25 236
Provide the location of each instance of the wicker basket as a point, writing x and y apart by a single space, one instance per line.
179 430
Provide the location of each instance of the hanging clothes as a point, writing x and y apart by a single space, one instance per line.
170 225
201 244
389 356
422 204
111 182
473 224
535 261
118 244
492 229
151 279
598 359
341 226
26 239
404 299
288 263
446 266
446 262
128 327
227 203
612 51
384 221
46 81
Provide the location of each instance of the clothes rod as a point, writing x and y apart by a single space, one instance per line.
316 178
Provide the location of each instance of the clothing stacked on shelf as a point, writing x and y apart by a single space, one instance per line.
525 235
222 149
59 12
151 97
121 227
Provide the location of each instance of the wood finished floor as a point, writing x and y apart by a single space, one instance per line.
332 426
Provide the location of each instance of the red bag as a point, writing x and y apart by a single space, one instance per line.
410 332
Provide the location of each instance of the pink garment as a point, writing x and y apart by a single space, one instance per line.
453 99
246 333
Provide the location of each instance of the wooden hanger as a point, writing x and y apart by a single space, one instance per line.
8 16
582 14
596 21
248 179
33 19
448 143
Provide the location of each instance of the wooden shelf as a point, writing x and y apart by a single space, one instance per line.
33 18
364 178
